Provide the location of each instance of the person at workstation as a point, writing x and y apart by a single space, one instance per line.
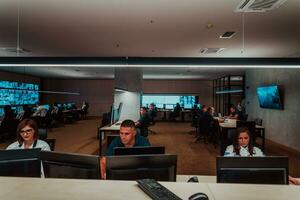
233 114
25 113
40 111
175 113
243 145
128 138
143 123
27 137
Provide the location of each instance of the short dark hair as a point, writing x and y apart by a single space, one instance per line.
27 122
144 108
128 123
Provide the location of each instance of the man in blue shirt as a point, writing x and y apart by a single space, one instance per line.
128 138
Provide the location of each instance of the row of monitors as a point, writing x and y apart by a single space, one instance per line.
162 167
169 101
18 109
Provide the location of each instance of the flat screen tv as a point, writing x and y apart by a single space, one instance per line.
269 97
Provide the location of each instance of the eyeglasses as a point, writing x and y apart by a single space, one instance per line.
28 131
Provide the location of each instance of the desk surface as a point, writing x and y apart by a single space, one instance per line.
114 127
231 123
37 188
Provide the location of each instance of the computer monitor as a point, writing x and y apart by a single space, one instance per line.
158 167
139 150
20 163
256 170
169 106
69 165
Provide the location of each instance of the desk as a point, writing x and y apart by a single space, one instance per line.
202 179
183 113
104 131
231 124
65 189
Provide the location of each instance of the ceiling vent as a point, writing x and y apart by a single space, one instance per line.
227 35
211 50
258 5
15 50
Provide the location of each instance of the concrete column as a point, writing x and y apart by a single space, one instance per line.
130 80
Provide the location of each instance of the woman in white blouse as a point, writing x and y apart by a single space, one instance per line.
243 145
27 135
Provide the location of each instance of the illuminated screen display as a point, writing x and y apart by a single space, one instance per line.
268 97
168 100
15 93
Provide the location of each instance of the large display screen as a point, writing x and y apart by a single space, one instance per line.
15 93
169 101
269 97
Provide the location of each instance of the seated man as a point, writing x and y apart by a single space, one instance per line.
128 138
143 122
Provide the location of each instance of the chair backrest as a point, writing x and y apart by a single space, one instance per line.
51 143
67 165
110 138
258 121
42 133
249 124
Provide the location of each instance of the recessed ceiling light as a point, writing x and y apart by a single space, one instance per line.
227 35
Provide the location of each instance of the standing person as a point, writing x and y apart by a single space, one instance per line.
27 137
152 112
243 145
143 123
128 138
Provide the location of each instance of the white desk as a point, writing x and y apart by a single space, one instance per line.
65 189
109 129
202 179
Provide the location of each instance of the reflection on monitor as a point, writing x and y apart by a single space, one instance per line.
139 150
20 163
158 167
256 170
67 165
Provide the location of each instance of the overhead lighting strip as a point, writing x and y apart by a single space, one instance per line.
150 65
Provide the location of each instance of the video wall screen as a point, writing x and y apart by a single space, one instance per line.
16 93
169 101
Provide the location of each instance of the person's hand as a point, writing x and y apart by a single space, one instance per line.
103 167
294 181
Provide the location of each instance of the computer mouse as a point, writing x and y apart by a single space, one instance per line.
199 196
193 179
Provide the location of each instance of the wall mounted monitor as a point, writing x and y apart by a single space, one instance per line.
269 97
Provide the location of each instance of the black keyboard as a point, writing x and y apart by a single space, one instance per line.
155 190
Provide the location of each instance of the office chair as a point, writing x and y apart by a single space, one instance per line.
42 133
51 143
